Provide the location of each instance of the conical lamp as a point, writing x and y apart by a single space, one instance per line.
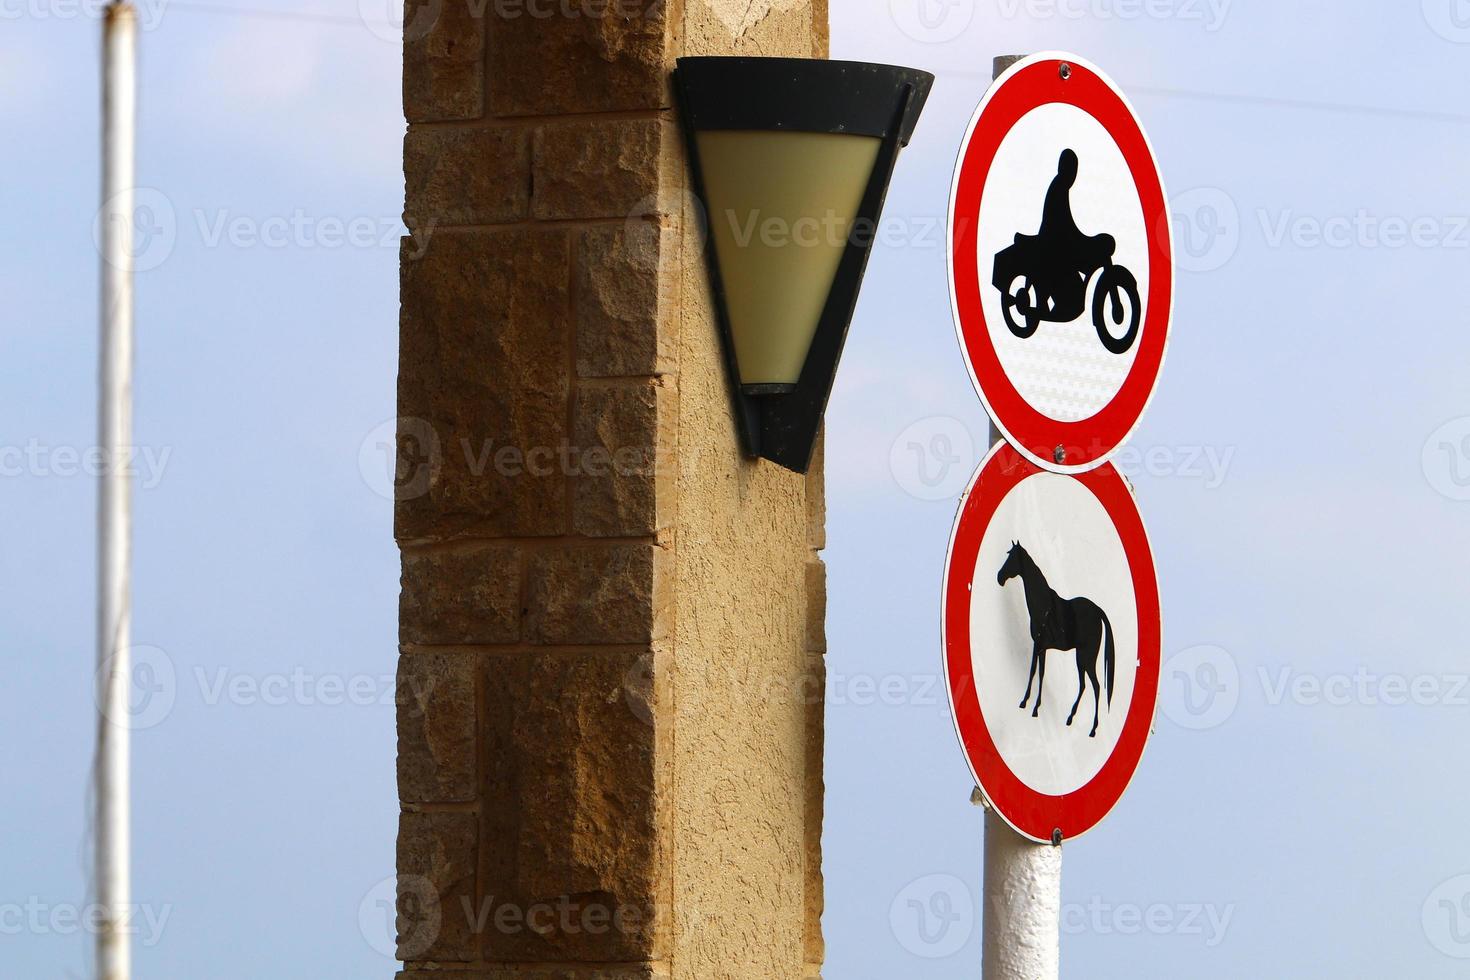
791 159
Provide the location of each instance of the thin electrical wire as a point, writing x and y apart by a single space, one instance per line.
298 16
1268 101
1231 98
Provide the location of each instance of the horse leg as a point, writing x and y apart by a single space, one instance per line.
1081 686
1030 676
1096 699
1040 656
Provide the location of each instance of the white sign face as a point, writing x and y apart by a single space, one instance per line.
1062 369
1066 574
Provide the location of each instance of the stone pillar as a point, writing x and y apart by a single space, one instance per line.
610 708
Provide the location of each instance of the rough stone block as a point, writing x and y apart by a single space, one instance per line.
436 727
816 606
624 296
465 594
437 854
813 899
624 440
483 386
443 60
465 176
585 56
605 168
616 593
572 857
816 494
644 971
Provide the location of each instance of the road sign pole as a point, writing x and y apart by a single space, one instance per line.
1023 880
1023 905
112 856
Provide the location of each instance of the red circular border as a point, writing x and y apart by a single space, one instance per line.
1089 441
1032 813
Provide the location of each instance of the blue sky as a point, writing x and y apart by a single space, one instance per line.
1303 473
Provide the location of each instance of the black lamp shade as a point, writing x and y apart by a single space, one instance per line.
791 159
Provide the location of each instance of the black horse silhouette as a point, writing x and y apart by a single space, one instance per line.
1045 276
1061 624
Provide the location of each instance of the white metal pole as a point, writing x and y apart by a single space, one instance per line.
114 495
1023 880
1023 905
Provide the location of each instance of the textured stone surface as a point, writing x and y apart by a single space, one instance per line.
586 56
625 434
815 797
775 28
604 168
740 626
645 971
616 593
465 594
625 299
436 727
633 753
572 855
443 60
458 176
436 884
816 606
816 494
482 366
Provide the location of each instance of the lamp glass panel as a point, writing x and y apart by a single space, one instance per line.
781 207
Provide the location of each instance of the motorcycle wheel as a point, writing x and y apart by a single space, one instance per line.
1020 295
1116 292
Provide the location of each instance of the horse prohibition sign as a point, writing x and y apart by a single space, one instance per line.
1043 563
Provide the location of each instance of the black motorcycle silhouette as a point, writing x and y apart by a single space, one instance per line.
1046 276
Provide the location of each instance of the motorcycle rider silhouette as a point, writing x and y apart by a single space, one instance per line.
1045 276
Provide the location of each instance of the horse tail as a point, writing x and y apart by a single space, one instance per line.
1108 656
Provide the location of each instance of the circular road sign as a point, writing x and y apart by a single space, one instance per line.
1061 269
1051 641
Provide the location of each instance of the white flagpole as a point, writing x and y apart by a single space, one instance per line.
114 497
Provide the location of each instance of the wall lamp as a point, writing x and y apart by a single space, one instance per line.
791 159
